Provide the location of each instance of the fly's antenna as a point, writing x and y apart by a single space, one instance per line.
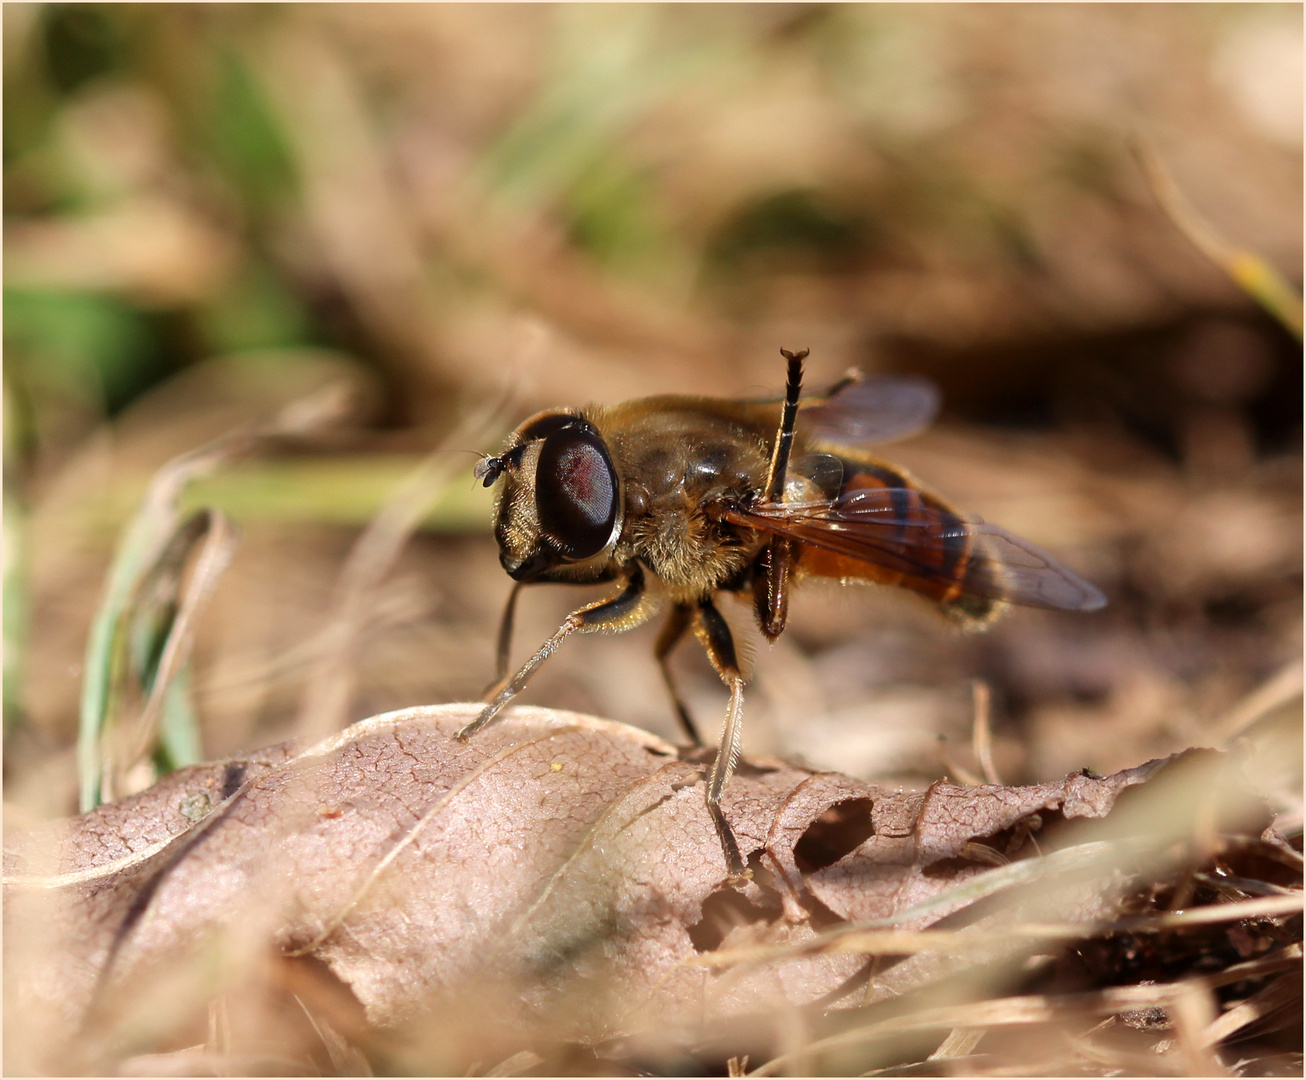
488 469
775 479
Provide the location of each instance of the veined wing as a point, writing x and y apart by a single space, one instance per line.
898 529
864 410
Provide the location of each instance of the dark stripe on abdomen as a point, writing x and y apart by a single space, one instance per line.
908 501
960 567
954 544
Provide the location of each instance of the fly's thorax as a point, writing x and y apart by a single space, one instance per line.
675 462
682 450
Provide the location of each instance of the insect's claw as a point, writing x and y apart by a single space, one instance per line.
487 714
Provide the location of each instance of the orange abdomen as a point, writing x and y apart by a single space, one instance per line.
937 560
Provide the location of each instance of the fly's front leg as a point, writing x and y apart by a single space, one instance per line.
504 643
714 633
672 631
629 608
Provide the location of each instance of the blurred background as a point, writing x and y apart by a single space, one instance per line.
468 213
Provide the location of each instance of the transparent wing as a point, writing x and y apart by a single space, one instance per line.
871 410
895 529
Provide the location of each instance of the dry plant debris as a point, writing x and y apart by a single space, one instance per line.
556 882
211 210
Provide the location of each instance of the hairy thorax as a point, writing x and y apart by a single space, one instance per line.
672 475
692 555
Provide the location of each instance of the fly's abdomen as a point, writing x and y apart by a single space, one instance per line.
914 540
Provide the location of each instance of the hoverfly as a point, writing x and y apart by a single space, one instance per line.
675 499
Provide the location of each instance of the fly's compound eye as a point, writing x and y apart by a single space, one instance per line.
576 491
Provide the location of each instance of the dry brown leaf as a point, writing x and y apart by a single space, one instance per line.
560 866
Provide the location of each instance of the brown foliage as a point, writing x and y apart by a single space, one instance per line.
558 873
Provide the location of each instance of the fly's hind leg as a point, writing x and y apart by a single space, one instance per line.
775 476
627 609
776 561
672 631
714 633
